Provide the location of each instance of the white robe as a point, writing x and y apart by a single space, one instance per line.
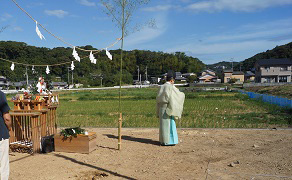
169 102
41 87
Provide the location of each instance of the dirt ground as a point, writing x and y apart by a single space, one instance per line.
201 154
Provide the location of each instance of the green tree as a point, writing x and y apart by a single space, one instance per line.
157 64
191 79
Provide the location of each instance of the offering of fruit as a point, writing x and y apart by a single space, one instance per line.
21 97
37 98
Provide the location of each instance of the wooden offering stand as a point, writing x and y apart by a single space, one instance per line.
37 105
31 121
17 104
26 104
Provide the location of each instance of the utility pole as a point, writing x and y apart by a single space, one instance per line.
68 76
26 76
72 78
140 80
146 74
232 63
138 73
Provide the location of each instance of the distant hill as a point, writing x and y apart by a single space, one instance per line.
284 51
156 63
221 65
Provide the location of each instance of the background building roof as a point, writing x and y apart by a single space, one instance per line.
270 62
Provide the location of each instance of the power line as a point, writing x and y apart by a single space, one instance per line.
118 39
42 65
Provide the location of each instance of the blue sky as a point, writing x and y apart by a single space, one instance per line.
211 30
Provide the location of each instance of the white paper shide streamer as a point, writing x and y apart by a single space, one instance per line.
33 70
47 70
39 32
75 54
108 54
72 66
12 67
92 58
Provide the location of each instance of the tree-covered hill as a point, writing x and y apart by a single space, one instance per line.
222 65
87 73
284 51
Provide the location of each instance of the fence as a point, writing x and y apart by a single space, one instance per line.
26 132
283 102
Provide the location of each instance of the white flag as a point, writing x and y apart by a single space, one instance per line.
47 70
108 54
75 54
12 67
38 31
92 58
72 66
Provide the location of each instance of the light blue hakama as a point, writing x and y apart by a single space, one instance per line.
167 129
173 138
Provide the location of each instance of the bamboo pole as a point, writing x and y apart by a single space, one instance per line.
121 75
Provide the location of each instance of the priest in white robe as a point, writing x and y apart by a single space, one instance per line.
169 102
41 86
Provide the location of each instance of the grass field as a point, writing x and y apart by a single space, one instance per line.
201 110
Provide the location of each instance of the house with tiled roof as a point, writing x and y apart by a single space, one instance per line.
208 76
229 74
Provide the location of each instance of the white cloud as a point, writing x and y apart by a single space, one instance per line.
265 34
160 8
57 13
220 5
87 3
147 34
185 1
17 28
235 5
35 4
214 52
240 43
5 17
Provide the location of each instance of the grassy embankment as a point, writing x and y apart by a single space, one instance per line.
281 91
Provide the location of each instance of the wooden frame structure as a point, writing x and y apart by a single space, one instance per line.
25 131
32 120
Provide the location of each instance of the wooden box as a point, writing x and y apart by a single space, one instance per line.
80 144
